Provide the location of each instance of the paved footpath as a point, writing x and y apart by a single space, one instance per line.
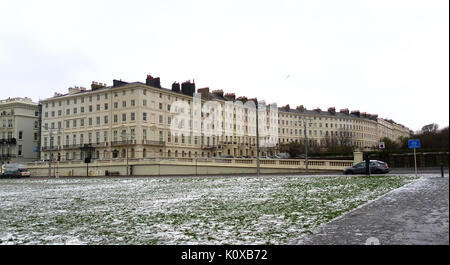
416 214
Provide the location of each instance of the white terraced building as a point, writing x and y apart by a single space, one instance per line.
134 120
19 130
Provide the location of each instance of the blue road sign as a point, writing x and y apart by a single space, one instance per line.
415 143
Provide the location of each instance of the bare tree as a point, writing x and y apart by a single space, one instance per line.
338 141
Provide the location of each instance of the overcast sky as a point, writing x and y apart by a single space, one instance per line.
389 58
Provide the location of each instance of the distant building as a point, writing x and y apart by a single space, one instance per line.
360 130
19 130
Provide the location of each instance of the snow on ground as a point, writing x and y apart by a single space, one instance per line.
179 210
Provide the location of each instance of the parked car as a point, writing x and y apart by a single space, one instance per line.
15 171
376 167
384 164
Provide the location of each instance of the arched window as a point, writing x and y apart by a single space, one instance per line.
144 153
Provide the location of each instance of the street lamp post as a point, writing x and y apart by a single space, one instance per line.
126 153
306 141
125 135
50 161
196 169
50 165
257 140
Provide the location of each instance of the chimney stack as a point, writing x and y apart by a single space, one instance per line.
301 108
204 91
332 110
242 99
117 83
356 113
287 107
152 81
230 96
344 111
96 85
176 87
188 88
218 92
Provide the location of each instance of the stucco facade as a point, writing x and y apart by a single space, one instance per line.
134 120
19 130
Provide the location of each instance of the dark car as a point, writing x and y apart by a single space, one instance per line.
15 171
376 167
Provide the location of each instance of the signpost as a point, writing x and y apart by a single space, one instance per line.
413 144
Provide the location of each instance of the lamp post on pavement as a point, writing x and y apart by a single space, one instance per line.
257 140
52 132
306 140
125 136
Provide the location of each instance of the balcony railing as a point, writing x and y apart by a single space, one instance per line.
229 143
7 156
210 146
100 144
123 142
151 142
51 148
72 146
8 141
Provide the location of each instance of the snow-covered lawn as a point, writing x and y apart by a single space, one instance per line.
181 210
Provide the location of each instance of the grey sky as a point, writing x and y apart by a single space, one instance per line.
389 58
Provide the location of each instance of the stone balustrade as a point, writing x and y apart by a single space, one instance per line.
183 166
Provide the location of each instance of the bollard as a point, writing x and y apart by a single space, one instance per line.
442 170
